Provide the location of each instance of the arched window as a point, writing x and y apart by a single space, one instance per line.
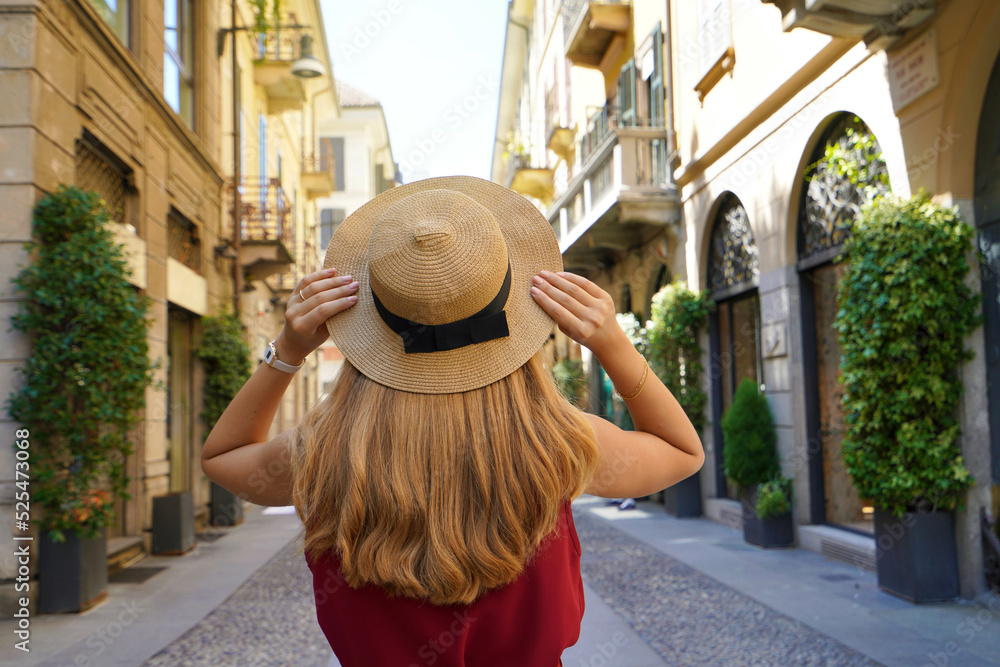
733 275
845 170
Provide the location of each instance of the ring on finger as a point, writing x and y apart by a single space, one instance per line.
301 295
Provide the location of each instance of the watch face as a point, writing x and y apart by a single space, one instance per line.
269 354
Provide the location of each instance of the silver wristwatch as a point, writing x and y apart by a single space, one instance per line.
271 359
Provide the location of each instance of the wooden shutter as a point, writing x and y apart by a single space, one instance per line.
626 94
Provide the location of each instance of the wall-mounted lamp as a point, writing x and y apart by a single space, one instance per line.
225 250
307 66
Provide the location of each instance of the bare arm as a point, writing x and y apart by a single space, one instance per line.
237 454
665 448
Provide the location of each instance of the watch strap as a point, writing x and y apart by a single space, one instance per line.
271 359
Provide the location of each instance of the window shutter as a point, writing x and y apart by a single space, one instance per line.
626 93
656 82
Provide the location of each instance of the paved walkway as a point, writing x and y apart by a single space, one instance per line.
660 591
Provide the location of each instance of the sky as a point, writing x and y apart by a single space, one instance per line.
435 67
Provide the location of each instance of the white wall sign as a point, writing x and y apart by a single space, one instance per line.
914 70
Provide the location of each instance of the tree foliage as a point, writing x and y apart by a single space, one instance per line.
904 313
89 368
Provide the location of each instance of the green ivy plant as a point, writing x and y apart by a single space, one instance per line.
85 381
226 359
773 497
749 449
904 313
679 315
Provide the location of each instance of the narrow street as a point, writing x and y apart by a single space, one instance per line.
660 591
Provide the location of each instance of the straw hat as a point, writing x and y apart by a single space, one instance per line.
444 268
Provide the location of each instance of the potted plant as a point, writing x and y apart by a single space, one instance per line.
84 385
678 317
226 359
751 461
904 314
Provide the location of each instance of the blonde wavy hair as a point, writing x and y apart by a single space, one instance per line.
438 496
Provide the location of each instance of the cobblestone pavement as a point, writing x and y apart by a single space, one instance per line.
269 620
685 616
690 618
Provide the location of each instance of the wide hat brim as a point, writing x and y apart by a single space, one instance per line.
368 343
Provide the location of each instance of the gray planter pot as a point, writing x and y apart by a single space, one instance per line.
683 500
226 508
72 575
915 556
173 523
777 531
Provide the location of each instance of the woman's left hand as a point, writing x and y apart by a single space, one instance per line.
317 297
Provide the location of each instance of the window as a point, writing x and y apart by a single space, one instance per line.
714 31
178 58
329 220
714 43
98 170
115 14
331 151
183 243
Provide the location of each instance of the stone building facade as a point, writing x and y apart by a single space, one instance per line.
132 99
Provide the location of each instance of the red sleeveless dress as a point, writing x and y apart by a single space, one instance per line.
528 623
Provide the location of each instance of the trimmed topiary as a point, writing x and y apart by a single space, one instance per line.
749 441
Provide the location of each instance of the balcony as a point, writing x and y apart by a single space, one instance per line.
318 175
600 34
522 177
879 22
265 229
307 261
272 69
622 196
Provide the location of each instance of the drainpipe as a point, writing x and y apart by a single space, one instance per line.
237 217
668 67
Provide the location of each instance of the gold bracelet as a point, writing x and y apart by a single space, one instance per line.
638 390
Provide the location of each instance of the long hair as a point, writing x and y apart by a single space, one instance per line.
438 496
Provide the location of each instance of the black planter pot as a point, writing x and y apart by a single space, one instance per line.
72 575
226 508
683 500
915 556
173 523
776 531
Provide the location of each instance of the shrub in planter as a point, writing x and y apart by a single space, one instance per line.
904 313
678 317
85 380
750 457
226 359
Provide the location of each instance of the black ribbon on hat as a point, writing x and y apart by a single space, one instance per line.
489 323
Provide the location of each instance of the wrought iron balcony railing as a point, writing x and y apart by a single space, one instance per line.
265 211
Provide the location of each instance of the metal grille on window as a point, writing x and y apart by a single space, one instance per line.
183 243
733 261
832 200
97 174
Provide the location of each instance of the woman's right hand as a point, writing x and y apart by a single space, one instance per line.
583 311
318 297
